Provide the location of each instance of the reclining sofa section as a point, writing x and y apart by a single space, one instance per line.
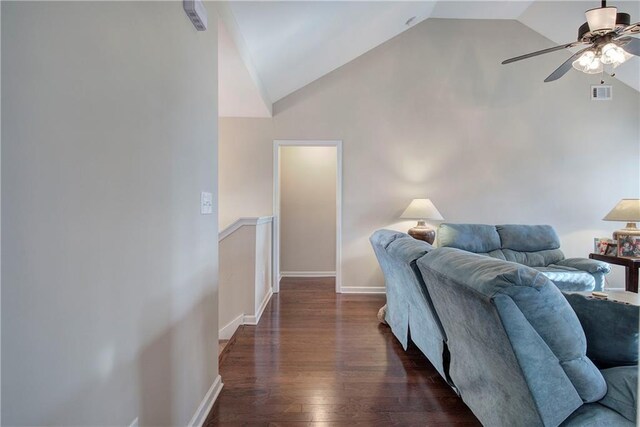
536 246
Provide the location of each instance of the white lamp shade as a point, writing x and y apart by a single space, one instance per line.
602 18
421 209
627 210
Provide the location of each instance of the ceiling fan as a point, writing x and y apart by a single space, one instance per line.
608 37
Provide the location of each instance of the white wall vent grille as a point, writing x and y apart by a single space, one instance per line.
601 92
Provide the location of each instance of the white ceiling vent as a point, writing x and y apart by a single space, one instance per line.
601 92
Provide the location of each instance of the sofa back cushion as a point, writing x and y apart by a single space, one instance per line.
398 319
477 238
406 284
531 245
382 238
396 252
543 331
528 238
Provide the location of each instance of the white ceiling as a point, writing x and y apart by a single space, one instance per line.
288 44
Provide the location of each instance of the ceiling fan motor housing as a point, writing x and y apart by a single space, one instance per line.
585 34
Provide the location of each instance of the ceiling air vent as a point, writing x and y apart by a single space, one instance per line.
601 92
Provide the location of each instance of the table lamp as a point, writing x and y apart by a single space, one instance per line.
422 209
627 210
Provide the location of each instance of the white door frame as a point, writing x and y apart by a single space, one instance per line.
276 204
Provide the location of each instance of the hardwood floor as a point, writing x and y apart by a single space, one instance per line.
318 358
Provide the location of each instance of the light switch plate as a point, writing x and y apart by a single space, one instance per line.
206 203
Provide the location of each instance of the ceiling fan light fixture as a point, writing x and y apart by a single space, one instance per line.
605 40
623 59
612 54
588 63
602 18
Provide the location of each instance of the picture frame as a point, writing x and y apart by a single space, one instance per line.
611 249
628 246
600 245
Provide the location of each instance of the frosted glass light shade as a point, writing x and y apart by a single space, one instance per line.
421 209
588 63
612 53
627 210
602 18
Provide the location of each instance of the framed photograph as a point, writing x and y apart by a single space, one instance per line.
612 249
600 245
629 246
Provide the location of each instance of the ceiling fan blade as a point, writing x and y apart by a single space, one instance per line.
542 52
632 46
629 30
566 66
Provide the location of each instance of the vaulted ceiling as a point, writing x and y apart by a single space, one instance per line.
271 49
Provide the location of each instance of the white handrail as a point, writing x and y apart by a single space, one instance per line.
241 222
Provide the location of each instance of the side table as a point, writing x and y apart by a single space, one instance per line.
631 266
623 297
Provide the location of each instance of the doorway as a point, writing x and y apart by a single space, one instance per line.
307 188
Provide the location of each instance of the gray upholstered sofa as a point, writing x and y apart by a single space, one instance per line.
536 246
519 353
517 350
408 303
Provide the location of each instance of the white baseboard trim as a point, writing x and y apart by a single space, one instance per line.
203 410
307 274
226 332
363 290
253 320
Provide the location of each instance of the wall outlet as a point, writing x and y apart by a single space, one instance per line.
206 203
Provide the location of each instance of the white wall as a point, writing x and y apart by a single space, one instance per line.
245 274
109 279
245 171
263 267
308 209
237 279
432 113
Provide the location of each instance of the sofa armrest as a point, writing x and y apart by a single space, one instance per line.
611 329
585 264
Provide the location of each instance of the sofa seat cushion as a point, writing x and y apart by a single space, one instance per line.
533 259
568 279
622 390
596 415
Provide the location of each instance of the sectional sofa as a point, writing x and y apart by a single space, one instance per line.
516 349
536 246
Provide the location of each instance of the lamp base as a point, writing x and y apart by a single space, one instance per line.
422 232
629 230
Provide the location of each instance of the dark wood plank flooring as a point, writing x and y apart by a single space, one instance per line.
318 358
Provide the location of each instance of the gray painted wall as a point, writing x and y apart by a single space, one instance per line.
109 279
432 113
